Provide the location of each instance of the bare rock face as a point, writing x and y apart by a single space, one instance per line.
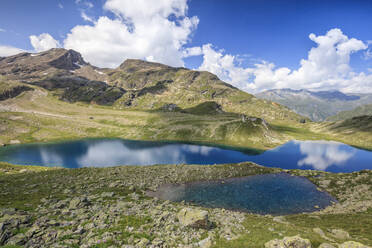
32 66
289 242
68 60
193 218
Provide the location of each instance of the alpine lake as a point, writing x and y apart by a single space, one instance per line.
264 194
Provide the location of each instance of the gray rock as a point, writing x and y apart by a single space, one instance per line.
143 243
193 218
326 245
107 194
78 202
353 244
289 242
340 234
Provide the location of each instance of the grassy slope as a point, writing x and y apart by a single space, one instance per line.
40 116
356 131
359 111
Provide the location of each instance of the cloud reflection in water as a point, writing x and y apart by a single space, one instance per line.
322 154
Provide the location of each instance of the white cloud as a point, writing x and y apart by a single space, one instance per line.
143 30
60 6
192 51
86 17
9 51
43 42
2 30
326 67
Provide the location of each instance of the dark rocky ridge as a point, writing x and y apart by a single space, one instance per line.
13 92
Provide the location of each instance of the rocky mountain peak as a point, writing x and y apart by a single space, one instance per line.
132 65
66 59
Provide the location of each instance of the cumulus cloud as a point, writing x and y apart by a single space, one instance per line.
327 67
43 42
151 30
192 51
9 51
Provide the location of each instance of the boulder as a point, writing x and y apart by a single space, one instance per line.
289 242
78 202
340 234
352 244
205 243
193 218
170 107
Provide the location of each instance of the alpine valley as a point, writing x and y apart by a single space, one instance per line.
55 96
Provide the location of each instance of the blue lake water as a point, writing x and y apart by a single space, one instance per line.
319 155
275 194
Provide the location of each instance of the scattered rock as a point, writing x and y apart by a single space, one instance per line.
353 244
289 242
326 245
280 219
14 142
194 218
107 194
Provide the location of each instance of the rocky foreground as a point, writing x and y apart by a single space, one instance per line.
108 207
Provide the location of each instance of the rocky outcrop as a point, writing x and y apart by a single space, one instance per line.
13 92
68 60
289 242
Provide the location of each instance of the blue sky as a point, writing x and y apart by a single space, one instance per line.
244 37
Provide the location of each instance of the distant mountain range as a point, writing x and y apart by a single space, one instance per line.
318 106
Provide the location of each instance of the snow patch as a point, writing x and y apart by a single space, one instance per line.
77 64
99 72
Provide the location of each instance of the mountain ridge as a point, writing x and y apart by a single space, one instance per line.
316 105
135 84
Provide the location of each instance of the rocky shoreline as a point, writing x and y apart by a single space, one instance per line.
108 207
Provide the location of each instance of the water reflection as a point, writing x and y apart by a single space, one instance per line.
322 154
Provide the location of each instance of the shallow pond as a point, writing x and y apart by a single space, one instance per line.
275 194
319 155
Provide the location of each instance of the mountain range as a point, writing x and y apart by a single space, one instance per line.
55 95
318 106
135 84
